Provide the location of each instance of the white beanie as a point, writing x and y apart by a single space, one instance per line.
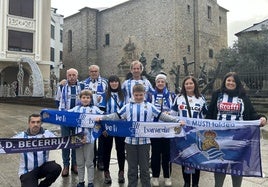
161 76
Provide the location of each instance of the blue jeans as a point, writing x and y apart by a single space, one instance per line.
67 131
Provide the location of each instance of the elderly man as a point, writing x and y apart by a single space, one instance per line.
96 84
35 165
69 99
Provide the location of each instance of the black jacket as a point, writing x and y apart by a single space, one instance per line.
248 114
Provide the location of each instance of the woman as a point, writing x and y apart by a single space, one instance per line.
190 103
232 93
161 98
114 101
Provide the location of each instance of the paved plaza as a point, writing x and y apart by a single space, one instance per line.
13 118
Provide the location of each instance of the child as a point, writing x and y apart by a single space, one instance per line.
85 153
138 148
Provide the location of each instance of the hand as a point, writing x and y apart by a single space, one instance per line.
263 121
104 133
97 119
167 112
84 140
99 98
182 123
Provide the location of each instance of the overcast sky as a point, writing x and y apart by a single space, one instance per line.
242 13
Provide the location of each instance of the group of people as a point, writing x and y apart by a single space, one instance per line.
137 100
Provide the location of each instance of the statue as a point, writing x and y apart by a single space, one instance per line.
156 65
53 82
175 70
129 54
185 64
129 46
202 78
20 77
143 60
210 84
144 63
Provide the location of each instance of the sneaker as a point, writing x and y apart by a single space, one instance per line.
155 181
81 184
65 171
90 185
74 169
168 182
121 178
107 178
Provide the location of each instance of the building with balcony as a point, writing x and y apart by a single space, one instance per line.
56 47
25 47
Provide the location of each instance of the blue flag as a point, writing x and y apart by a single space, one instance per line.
225 148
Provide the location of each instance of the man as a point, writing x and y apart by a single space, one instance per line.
136 69
35 165
98 86
69 98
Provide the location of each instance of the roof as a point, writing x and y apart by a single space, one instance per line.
257 27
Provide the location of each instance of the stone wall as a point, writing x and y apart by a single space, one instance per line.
166 27
84 48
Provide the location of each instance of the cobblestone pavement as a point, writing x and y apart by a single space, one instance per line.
13 118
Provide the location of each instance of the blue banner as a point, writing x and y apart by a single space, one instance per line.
20 145
72 119
231 147
219 146
113 128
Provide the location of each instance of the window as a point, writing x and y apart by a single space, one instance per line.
70 41
61 35
107 39
210 53
52 54
60 56
220 19
189 49
52 31
20 41
23 8
188 9
209 12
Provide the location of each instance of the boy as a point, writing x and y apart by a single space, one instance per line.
85 153
138 148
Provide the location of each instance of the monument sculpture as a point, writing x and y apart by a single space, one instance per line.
202 78
130 54
209 85
20 77
186 64
143 61
175 71
156 66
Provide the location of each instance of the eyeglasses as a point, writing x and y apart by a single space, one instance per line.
93 71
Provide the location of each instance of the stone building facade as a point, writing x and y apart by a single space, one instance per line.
195 29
